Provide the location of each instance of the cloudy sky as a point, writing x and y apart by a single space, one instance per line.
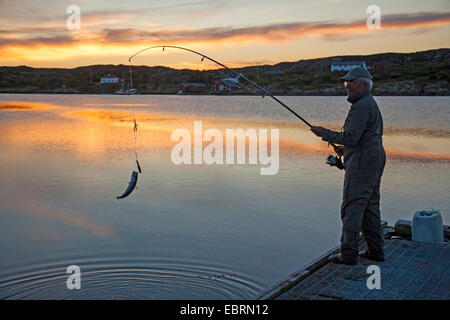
235 32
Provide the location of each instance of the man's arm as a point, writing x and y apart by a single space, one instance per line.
357 123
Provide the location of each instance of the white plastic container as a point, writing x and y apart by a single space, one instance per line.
427 227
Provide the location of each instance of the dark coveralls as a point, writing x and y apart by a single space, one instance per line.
364 161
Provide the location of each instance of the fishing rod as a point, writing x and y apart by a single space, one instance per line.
331 160
267 93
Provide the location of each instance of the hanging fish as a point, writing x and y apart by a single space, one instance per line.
131 185
138 166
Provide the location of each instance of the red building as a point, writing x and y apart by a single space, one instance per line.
192 88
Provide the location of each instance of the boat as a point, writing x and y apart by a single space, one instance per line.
130 91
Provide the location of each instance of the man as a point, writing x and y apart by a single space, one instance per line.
364 161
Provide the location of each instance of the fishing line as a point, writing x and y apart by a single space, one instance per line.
240 75
135 128
266 93
241 85
134 175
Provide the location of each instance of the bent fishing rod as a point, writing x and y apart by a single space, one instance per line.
238 74
330 161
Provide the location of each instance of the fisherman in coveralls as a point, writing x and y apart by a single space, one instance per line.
364 160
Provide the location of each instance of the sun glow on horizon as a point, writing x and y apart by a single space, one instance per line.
110 35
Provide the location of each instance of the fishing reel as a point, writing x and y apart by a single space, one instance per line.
335 161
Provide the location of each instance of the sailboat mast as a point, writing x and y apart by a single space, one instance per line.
131 80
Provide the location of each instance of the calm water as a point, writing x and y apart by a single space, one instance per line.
189 231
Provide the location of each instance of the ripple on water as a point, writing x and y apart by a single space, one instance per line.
128 278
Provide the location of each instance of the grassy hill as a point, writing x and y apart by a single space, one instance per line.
419 73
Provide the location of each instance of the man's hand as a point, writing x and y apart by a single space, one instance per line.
318 131
339 150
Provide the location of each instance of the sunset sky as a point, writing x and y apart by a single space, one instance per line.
237 33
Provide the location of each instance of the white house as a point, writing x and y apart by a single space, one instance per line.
109 79
347 65
226 84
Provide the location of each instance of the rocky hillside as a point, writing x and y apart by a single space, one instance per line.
419 73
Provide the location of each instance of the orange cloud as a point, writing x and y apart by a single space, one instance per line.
33 206
118 41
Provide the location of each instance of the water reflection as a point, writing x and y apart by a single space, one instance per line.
193 232
98 130
25 106
133 277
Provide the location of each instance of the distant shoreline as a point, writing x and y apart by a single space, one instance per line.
425 73
223 95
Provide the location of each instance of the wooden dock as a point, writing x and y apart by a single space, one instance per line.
411 270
